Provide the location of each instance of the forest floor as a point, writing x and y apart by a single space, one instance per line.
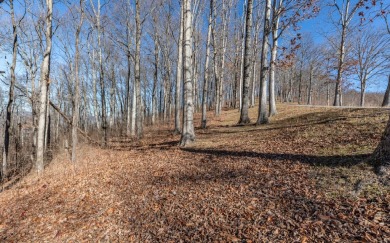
300 178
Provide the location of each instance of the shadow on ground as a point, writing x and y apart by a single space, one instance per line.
314 160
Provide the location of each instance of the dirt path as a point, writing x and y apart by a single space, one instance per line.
291 180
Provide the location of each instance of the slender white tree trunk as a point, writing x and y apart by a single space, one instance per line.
207 64
262 115
179 73
44 86
76 102
274 50
242 58
137 70
188 133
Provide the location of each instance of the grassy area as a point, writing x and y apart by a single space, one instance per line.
302 177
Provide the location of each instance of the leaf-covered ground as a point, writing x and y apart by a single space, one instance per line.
300 178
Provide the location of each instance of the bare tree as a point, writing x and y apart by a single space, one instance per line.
262 115
137 70
207 64
244 117
76 99
179 73
44 87
188 133
8 119
345 14
370 51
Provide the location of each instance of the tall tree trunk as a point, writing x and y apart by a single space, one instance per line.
242 57
254 65
327 94
128 100
137 70
274 50
300 85
8 119
188 133
309 93
76 101
94 86
44 86
262 116
155 74
244 117
206 71
112 98
179 73
101 80
133 111
225 16
237 73
216 68
337 96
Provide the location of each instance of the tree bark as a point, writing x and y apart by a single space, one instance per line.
337 96
381 155
206 72
242 59
8 120
179 73
244 117
44 86
386 98
362 94
309 93
274 50
155 74
76 101
262 116
188 134
137 70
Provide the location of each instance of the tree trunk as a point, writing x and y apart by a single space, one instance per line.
309 93
95 99
242 59
225 16
112 98
76 101
300 85
8 120
137 72
262 116
381 155
244 117
386 98
155 75
362 93
206 72
128 100
44 86
188 134
274 50
337 97
179 73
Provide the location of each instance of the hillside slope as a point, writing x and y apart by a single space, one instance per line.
299 178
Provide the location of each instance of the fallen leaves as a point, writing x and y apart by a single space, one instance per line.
236 184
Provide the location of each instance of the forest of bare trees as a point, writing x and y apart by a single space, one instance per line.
90 70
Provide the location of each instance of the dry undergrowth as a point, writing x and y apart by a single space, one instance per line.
294 179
